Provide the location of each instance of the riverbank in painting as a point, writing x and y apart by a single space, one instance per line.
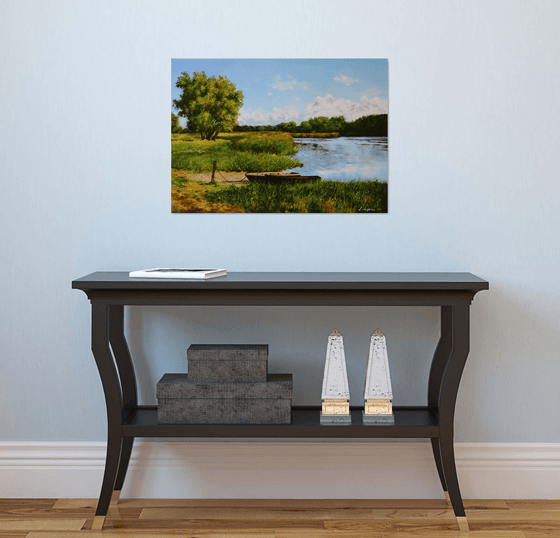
238 153
344 158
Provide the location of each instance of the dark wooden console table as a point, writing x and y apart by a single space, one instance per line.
110 292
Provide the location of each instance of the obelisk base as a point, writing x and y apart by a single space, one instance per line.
335 420
368 420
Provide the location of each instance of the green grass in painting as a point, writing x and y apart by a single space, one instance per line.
297 197
277 143
263 152
234 152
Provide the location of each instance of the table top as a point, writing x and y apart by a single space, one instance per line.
289 281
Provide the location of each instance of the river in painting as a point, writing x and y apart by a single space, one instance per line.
345 158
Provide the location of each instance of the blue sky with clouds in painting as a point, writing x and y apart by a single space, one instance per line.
277 91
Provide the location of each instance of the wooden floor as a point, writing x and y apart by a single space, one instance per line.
266 518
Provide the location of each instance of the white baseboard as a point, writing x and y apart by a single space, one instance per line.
296 469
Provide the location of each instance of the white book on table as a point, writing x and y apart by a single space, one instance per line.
187 274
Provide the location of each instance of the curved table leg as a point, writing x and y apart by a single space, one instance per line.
128 386
113 400
126 451
448 397
436 449
114 443
441 356
122 356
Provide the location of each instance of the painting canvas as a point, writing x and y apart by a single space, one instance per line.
279 136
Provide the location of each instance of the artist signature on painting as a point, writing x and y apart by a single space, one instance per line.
366 210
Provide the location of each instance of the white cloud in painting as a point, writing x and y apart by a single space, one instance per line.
278 115
326 105
269 93
284 85
304 86
343 79
329 106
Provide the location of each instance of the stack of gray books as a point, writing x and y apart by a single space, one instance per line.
226 384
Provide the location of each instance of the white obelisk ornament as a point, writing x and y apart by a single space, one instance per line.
335 395
378 394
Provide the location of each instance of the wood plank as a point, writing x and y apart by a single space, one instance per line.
534 504
215 526
413 504
41 524
431 526
129 534
280 503
31 503
547 528
69 504
415 525
485 504
292 513
280 518
515 515
372 534
65 513
405 534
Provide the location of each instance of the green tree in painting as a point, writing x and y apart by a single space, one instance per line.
291 127
337 124
175 127
374 125
210 104
319 124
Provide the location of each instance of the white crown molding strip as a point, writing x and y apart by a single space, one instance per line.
287 469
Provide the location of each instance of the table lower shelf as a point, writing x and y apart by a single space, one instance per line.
410 422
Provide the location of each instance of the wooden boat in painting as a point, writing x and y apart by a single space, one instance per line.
280 177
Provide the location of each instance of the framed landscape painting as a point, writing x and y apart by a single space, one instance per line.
279 136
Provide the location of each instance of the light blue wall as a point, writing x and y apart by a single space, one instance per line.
473 186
